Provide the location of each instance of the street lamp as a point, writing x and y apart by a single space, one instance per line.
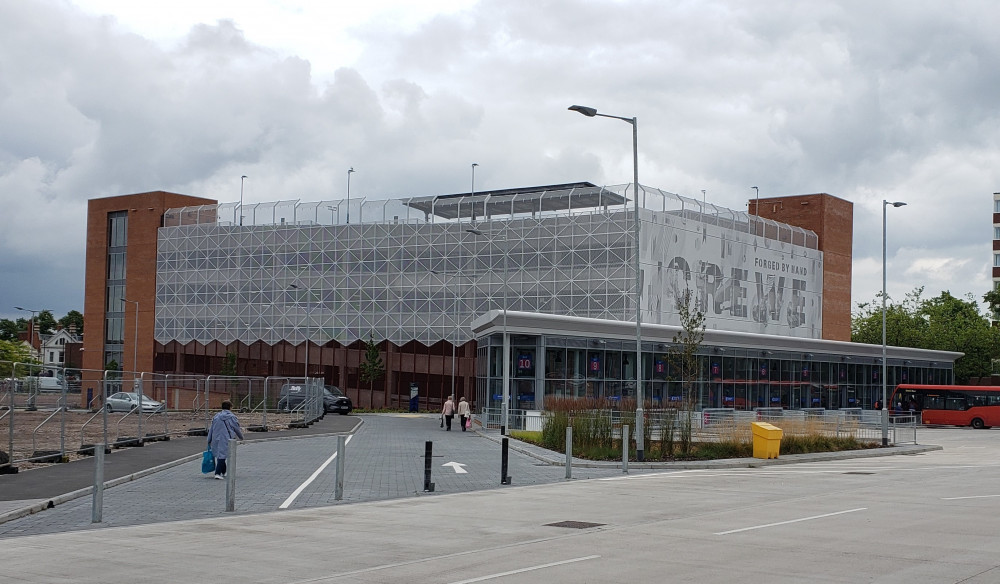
31 331
756 208
242 178
135 336
349 172
639 393
885 397
455 319
473 192
505 390
308 322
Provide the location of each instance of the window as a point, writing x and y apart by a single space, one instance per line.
996 205
996 232
996 260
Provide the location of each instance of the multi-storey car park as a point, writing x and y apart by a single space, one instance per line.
439 282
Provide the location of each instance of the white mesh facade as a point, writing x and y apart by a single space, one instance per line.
422 268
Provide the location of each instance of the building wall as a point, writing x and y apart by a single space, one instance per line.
832 219
145 215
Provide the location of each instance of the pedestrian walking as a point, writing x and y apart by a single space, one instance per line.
448 411
225 426
464 412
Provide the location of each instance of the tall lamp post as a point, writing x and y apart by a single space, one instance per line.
350 171
308 322
242 178
31 331
135 336
639 393
885 368
473 191
505 378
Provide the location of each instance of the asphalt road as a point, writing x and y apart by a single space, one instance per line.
925 518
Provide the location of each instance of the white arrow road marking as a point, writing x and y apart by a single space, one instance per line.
457 466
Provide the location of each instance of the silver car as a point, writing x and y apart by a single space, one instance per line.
125 401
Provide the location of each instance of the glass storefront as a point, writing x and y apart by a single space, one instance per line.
545 368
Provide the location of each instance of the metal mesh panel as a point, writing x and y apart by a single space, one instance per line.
421 269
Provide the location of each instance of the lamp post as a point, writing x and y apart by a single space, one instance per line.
473 191
242 178
31 331
135 336
885 390
455 320
308 322
505 390
639 393
350 171
756 207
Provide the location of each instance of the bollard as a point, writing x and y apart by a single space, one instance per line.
428 449
569 452
97 506
625 449
231 477
338 492
504 478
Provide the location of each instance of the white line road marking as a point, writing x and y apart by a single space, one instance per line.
457 467
791 521
969 497
291 498
522 570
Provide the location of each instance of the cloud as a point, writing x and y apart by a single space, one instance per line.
888 101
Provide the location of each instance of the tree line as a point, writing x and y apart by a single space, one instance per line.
943 323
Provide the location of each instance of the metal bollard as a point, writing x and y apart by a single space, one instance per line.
97 505
338 492
569 452
428 450
625 449
504 478
231 477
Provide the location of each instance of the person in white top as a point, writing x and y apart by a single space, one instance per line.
464 413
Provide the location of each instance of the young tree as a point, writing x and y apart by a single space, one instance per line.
372 368
229 364
683 358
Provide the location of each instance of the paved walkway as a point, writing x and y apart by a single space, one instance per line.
384 459
835 521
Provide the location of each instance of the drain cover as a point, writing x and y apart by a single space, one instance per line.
574 524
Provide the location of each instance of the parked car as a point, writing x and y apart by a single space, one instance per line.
292 396
125 401
334 400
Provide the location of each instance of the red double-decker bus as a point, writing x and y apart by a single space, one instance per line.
951 405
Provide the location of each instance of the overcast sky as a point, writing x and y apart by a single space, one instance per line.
863 100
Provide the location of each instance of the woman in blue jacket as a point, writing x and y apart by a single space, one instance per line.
225 426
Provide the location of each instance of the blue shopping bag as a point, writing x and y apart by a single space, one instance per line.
207 462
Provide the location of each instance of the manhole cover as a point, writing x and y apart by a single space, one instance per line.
574 524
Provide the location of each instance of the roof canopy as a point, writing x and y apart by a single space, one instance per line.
578 195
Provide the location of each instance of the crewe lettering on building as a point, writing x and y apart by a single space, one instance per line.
776 297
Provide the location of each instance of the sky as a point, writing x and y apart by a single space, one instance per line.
866 101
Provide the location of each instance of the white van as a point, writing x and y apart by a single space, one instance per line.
51 383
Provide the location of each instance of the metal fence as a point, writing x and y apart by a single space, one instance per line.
62 416
714 424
